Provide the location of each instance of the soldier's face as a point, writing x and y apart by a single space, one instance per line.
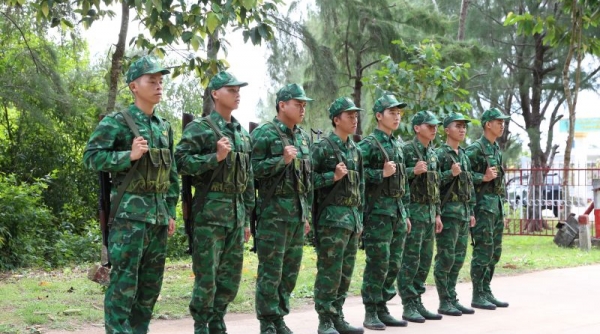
426 131
390 119
227 97
148 88
346 122
293 110
496 127
457 130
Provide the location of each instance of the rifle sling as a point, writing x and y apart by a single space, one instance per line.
447 196
329 198
377 194
121 190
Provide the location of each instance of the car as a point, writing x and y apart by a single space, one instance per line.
551 192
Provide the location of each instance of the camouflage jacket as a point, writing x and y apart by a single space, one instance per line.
324 160
108 150
292 199
451 185
481 154
418 211
373 161
196 154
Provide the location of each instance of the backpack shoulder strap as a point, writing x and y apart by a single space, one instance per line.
213 126
130 122
282 135
383 151
417 150
335 150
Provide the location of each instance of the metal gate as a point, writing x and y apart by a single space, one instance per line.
538 199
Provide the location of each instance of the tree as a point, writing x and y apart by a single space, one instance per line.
341 42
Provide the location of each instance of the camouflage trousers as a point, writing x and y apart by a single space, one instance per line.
487 240
137 252
383 239
416 260
451 246
336 256
279 249
217 264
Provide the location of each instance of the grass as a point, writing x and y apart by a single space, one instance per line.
33 300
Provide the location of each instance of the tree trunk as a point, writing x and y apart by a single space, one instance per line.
571 97
117 58
212 49
464 9
356 94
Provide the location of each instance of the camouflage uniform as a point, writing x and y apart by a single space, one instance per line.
423 208
340 222
384 219
280 227
487 233
457 211
138 235
219 224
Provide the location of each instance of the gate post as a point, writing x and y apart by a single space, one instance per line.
596 187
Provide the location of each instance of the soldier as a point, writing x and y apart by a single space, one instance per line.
488 177
339 181
457 215
422 169
215 150
386 221
140 159
281 165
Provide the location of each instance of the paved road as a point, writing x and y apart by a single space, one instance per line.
553 301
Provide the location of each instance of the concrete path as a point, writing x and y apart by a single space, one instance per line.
553 301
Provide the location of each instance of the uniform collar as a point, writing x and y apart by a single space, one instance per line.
336 139
449 148
222 123
284 127
486 143
138 114
382 136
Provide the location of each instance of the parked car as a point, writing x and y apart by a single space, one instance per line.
551 193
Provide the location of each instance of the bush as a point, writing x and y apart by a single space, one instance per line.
24 218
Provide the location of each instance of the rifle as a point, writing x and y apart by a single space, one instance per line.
103 212
186 194
253 216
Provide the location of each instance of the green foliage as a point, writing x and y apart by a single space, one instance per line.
170 23
24 217
421 82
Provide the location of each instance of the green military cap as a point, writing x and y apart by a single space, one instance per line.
223 79
455 117
425 117
144 65
492 114
387 101
340 105
291 92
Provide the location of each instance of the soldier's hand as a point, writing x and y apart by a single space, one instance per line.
420 168
306 227
289 153
246 234
438 224
472 221
490 174
389 168
138 148
223 148
456 169
408 226
340 171
171 229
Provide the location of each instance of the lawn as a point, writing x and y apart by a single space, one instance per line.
65 298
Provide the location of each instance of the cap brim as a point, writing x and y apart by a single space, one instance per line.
399 105
502 117
160 70
236 83
301 98
353 109
433 122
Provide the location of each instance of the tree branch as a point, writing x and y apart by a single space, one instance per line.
33 57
